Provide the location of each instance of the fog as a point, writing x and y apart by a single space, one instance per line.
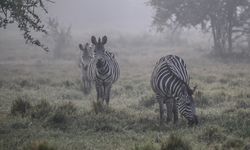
126 16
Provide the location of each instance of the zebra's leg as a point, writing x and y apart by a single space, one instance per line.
160 100
107 93
175 111
85 87
169 105
98 91
90 85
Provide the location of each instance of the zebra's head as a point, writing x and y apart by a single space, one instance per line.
187 106
86 55
99 50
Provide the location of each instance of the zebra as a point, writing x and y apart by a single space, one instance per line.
103 69
84 61
170 82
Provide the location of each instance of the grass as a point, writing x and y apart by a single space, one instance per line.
45 107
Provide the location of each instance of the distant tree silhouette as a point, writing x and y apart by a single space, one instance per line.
225 19
60 37
25 14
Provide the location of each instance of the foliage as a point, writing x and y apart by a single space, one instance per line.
222 18
25 14
61 37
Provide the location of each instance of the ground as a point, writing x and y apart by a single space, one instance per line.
132 120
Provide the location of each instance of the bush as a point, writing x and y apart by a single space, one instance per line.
175 143
41 110
38 145
233 144
20 106
212 134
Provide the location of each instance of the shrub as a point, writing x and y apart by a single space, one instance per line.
175 143
38 145
212 134
41 110
20 106
233 144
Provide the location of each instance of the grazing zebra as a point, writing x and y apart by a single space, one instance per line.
170 82
85 59
103 69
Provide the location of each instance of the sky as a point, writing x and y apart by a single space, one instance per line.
131 16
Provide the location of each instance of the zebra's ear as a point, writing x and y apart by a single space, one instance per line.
93 40
86 45
81 47
104 40
191 91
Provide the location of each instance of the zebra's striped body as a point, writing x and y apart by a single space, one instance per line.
84 62
170 81
103 69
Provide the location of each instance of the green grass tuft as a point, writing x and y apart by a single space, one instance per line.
41 110
175 142
212 134
233 144
147 101
38 145
20 106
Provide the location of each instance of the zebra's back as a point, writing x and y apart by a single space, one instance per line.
170 72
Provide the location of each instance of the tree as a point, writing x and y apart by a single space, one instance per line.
220 17
60 37
25 14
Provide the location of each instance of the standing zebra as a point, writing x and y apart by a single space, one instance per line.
85 59
103 69
170 82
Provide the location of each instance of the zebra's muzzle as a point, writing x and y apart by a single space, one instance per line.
194 121
99 63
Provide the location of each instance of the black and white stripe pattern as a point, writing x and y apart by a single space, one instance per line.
103 69
84 62
170 81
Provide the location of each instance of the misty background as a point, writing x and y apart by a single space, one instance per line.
128 20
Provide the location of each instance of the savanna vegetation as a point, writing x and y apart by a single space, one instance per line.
43 107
